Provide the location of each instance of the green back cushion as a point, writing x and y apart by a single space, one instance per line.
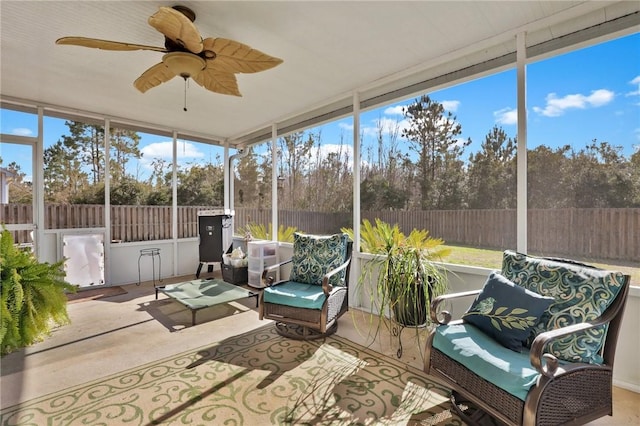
314 256
581 294
506 311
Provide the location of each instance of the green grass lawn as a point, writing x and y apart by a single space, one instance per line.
493 259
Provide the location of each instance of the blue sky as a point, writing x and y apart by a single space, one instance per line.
592 93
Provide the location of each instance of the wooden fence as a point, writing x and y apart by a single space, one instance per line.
589 233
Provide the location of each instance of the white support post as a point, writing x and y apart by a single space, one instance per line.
274 182
356 172
226 171
107 200
521 219
356 262
38 187
174 202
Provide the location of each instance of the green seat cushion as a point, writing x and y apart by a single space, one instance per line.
581 294
298 295
506 311
509 370
315 255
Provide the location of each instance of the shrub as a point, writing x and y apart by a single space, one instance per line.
261 232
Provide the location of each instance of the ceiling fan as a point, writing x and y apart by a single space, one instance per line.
210 62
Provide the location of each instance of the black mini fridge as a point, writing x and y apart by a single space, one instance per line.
215 232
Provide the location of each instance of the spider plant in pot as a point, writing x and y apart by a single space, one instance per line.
401 278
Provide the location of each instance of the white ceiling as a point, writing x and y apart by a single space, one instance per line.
330 50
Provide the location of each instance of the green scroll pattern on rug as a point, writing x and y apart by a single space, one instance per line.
258 378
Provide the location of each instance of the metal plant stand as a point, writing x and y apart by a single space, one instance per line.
396 330
153 253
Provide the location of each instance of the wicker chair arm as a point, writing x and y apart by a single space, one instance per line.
444 317
268 279
326 287
549 367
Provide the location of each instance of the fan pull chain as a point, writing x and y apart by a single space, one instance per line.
185 94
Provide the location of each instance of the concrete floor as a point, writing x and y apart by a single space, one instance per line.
112 334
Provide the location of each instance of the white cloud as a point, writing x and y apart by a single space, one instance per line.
557 106
165 150
450 105
634 82
395 110
22 131
506 116
600 97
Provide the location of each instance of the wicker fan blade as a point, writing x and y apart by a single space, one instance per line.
177 27
236 57
218 81
106 44
157 74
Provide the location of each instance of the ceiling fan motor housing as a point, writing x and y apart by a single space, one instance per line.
185 11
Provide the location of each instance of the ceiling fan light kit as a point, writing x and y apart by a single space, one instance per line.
184 64
211 62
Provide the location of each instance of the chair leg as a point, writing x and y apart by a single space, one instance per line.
470 414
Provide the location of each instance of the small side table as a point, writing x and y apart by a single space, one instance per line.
153 252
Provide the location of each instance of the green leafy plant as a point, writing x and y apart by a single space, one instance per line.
403 277
261 232
33 296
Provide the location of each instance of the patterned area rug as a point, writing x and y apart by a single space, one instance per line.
257 378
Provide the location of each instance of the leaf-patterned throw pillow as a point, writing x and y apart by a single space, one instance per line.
506 311
315 255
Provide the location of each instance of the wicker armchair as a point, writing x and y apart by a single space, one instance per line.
308 304
563 392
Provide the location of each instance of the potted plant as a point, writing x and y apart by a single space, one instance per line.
33 296
401 278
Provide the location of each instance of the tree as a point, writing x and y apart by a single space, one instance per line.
600 176
634 165
124 147
491 175
433 136
88 141
246 180
546 177
386 177
332 173
20 190
126 191
158 187
201 185
294 166
64 178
